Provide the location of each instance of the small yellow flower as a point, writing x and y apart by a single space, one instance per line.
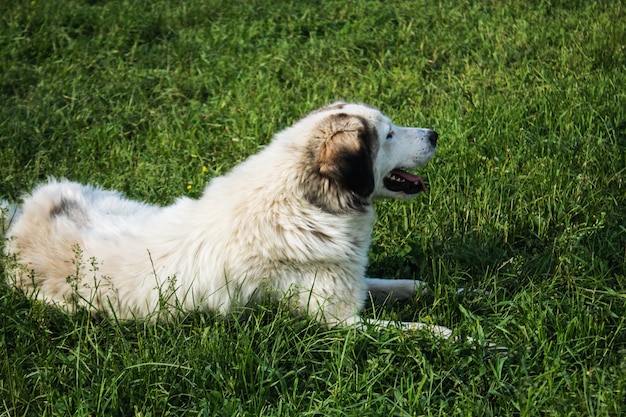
204 169
189 186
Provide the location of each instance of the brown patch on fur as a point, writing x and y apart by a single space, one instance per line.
340 164
70 209
342 142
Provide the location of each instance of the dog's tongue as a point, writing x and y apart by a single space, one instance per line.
408 176
412 183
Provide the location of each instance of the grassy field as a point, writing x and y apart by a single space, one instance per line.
527 199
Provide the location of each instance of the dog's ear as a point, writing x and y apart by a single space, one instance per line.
345 154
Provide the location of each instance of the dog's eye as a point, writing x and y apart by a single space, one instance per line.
390 134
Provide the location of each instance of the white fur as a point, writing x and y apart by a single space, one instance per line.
251 234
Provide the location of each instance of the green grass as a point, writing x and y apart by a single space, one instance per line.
527 199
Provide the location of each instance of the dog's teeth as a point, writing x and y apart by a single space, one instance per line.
394 177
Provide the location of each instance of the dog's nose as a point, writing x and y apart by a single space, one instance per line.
432 137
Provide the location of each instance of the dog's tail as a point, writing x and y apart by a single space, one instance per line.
8 212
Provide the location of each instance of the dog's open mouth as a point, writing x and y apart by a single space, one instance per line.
402 181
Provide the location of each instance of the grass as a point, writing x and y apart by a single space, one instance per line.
527 199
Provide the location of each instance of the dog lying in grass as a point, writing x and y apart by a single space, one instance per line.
294 220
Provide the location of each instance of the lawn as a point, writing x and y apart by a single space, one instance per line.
526 201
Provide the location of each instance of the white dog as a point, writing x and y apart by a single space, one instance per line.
291 221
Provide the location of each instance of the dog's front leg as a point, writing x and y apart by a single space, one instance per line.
380 325
395 289
399 289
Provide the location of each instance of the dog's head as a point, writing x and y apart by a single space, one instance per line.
356 154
